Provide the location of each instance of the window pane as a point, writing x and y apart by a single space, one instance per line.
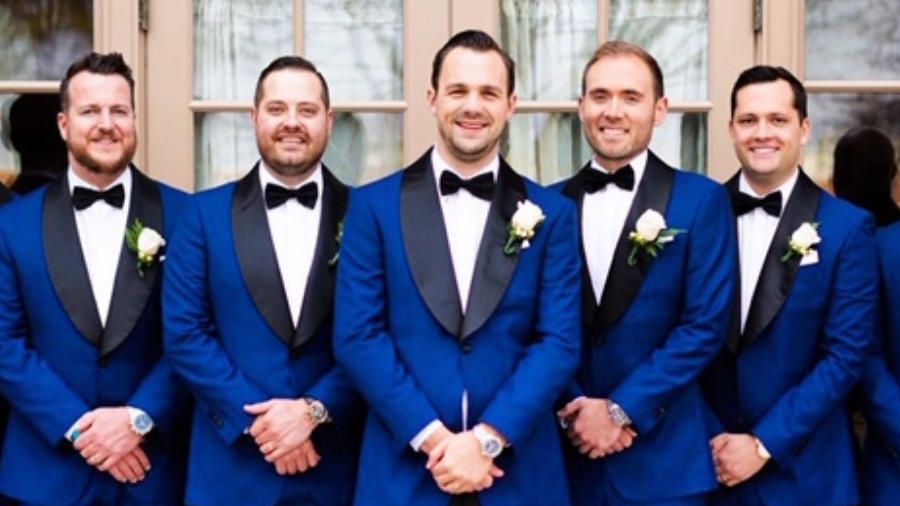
31 152
549 147
363 147
234 40
358 46
546 147
676 33
852 40
681 141
550 41
39 40
832 114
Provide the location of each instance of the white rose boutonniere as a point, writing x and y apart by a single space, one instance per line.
146 243
650 235
524 223
802 241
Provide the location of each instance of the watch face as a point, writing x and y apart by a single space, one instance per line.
491 447
142 423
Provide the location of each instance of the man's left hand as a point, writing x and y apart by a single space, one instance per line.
736 458
105 437
280 426
458 465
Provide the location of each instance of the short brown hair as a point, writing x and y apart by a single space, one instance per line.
96 63
621 48
291 63
478 41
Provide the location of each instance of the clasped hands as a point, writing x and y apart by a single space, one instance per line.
591 430
736 457
457 463
106 441
282 430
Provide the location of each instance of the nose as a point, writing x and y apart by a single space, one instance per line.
614 110
763 130
472 102
105 121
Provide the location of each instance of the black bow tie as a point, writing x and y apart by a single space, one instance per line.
306 195
481 186
743 203
83 198
595 180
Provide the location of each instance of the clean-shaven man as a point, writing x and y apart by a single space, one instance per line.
658 247
457 307
805 315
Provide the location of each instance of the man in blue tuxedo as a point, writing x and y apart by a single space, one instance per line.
803 322
880 385
658 250
457 307
94 406
248 313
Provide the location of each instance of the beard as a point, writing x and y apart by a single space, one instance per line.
85 159
291 165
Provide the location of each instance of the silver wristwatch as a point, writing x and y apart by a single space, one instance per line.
617 414
317 412
490 444
140 422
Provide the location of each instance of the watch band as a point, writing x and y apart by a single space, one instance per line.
317 412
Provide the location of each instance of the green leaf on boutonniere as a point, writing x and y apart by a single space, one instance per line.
338 236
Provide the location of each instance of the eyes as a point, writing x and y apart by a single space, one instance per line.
629 97
304 110
118 111
488 93
747 121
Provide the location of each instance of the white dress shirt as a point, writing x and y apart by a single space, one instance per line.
603 215
755 232
101 232
294 229
465 217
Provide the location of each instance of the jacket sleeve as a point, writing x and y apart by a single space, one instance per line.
701 330
190 336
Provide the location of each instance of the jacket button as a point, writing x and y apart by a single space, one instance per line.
660 411
102 361
465 347
295 353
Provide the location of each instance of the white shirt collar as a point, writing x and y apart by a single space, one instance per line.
124 178
786 188
638 165
439 165
266 177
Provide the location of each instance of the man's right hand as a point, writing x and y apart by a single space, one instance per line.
298 460
131 468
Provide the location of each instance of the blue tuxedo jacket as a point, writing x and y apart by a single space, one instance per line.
402 337
785 379
880 387
57 361
229 335
658 325
5 196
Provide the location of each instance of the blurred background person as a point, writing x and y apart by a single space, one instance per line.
864 168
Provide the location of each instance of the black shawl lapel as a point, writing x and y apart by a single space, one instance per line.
776 277
130 291
494 268
317 301
65 261
256 255
625 280
425 241
732 343
574 189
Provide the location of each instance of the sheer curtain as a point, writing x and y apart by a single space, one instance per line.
233 40
676 33
356 44
550 40
358 47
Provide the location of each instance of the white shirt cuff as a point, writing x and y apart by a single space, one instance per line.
424 434
72 434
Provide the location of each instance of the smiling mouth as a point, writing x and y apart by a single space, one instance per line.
763 151
613 131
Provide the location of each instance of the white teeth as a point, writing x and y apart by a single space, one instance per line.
763 151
